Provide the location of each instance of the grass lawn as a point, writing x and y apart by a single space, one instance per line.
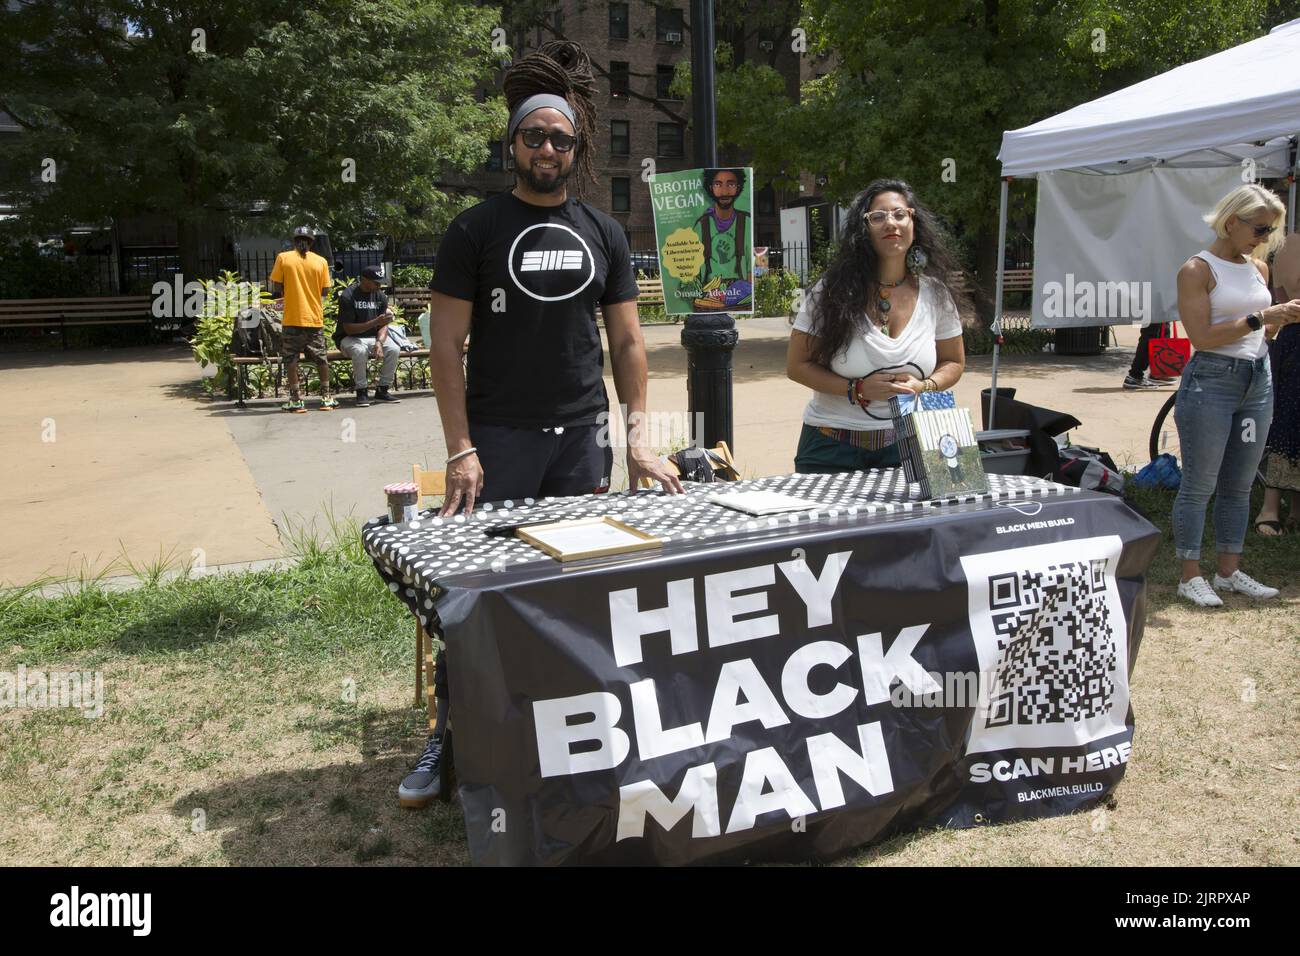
266 718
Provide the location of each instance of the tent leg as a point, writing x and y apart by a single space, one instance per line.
1290 191
997 299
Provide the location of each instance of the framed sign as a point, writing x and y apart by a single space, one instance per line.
587 538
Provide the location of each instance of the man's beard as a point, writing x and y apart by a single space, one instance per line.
545 185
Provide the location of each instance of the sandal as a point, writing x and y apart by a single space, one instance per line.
1274 526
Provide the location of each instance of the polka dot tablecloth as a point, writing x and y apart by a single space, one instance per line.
420 559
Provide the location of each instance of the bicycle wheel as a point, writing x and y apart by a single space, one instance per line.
1164 433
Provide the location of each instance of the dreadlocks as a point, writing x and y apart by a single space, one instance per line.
561 68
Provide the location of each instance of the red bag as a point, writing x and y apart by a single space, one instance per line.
1169 355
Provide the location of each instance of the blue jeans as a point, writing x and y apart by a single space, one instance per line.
1223 412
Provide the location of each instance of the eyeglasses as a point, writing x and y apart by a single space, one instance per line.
880 217
534 138
725 184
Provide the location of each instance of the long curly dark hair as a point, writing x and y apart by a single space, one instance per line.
849 289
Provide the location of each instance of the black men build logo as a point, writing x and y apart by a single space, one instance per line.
550 262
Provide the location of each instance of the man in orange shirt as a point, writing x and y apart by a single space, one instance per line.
300 278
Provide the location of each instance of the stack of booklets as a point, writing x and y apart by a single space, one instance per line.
936 442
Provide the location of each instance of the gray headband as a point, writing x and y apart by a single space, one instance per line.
541 101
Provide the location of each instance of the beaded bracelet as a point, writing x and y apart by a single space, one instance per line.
459 455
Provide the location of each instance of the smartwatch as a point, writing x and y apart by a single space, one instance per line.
1255 321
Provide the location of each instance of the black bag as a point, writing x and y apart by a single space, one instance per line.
257 333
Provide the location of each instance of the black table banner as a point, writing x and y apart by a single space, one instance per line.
787 687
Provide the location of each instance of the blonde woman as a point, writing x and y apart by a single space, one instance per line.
1225 399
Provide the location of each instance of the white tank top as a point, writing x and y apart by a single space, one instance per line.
1238 290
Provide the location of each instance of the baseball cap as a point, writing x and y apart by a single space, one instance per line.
374 273
305 232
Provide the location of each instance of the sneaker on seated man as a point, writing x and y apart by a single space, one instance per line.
362 334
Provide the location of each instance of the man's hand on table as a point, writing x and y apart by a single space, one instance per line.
464 483
641 462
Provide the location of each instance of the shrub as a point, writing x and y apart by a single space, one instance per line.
413 276
774 292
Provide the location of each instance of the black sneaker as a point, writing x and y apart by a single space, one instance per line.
1132 383
363 398
381 395
421 784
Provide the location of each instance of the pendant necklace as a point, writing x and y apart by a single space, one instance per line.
885 289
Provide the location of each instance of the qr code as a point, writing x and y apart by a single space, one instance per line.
1056 645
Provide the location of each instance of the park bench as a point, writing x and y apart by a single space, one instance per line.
62 314
405 361
650 291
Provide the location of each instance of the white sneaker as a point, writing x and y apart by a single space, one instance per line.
1199 593
1243 583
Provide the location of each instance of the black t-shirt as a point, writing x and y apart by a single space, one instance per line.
356 306
535 275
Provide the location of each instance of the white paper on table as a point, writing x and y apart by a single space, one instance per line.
589 536
763 502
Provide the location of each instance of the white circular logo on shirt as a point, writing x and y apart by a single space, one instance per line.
550 262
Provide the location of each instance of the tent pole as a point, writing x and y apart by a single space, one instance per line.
1290 190
997 299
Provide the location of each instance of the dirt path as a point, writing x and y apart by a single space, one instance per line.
105 453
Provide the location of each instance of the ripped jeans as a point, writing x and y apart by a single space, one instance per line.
1223 412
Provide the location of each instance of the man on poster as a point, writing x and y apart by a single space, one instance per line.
726 279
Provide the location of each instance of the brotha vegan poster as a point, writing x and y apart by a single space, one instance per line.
705 232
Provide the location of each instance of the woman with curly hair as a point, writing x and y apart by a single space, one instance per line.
884 320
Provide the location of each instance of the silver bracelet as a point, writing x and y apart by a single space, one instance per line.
459 455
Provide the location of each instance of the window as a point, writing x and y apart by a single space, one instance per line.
620 138
620 199
669 27
766 201
618 78
618 21
663 80
494 163
670 140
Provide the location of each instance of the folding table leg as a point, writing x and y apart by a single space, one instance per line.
430 703
419 660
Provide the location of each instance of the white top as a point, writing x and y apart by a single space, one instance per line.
1238 290
870 350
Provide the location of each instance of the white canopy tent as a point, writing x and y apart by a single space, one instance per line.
1237 110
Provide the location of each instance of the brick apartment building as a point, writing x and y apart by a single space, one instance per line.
634 48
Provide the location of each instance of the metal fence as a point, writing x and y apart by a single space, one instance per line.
136 274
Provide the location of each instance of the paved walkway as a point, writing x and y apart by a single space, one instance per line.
141 463
109 452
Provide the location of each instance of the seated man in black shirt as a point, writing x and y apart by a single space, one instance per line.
362 333
524 272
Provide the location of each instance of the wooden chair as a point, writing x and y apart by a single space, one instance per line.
728 471
432 484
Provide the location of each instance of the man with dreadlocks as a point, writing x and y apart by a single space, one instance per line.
522 273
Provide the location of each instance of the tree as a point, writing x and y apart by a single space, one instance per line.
924 90
343 113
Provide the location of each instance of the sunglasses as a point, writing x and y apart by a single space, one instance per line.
1260 231
534 138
